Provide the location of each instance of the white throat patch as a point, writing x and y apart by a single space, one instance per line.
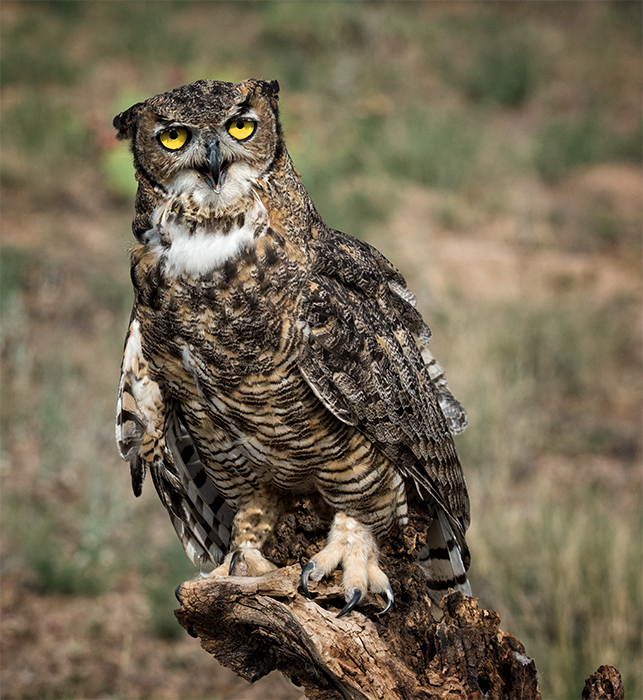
198 253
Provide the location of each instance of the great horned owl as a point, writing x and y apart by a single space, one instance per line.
269 356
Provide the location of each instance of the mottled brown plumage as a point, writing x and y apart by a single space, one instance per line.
270 356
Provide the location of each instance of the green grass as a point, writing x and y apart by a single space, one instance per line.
503 61
566 578
556 554
563 145
14 265
26 64
41 139
162 573
57 567
65 525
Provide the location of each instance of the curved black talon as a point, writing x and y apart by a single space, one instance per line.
177 593
233 561
389 601
351 603
305 575
191 632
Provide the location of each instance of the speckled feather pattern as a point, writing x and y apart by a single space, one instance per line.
268 354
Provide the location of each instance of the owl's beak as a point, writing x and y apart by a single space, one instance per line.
214 173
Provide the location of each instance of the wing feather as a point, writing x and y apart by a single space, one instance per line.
442 559
139 409
366 341
151 435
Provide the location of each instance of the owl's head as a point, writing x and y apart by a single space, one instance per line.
209 140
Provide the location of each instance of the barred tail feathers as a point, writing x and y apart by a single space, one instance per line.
442 559
205 521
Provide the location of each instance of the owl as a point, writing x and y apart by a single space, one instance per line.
270 357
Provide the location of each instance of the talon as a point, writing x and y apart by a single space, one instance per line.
351 603
233 561
389 601
191 632
305 575
177 593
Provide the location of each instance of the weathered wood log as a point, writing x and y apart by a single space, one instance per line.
605 684
258 625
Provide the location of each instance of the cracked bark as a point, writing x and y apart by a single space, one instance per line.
258 625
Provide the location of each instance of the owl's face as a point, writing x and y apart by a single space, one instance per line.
209 140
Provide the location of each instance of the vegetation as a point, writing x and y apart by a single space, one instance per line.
491 150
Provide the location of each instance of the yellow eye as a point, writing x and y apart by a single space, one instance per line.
174 138
241 128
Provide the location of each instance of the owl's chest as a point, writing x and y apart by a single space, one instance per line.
236 318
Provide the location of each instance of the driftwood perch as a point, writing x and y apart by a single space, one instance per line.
258 625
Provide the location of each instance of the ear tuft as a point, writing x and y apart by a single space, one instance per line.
124 122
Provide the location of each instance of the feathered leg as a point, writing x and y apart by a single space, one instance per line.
352 545
251 526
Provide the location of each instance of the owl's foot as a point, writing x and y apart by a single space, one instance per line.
251 526
244 562
352 545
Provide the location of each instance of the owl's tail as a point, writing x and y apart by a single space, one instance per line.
442 560
203 519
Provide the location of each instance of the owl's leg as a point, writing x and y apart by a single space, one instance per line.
351 544
251 526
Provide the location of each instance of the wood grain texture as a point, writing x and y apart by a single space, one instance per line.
257 625
605 684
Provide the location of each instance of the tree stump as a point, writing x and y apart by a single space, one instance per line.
605 684
258 625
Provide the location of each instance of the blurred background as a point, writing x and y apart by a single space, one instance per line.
491 150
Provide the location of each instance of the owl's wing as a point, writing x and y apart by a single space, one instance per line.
364 360
151 434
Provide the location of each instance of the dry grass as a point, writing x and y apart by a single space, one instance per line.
504 181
